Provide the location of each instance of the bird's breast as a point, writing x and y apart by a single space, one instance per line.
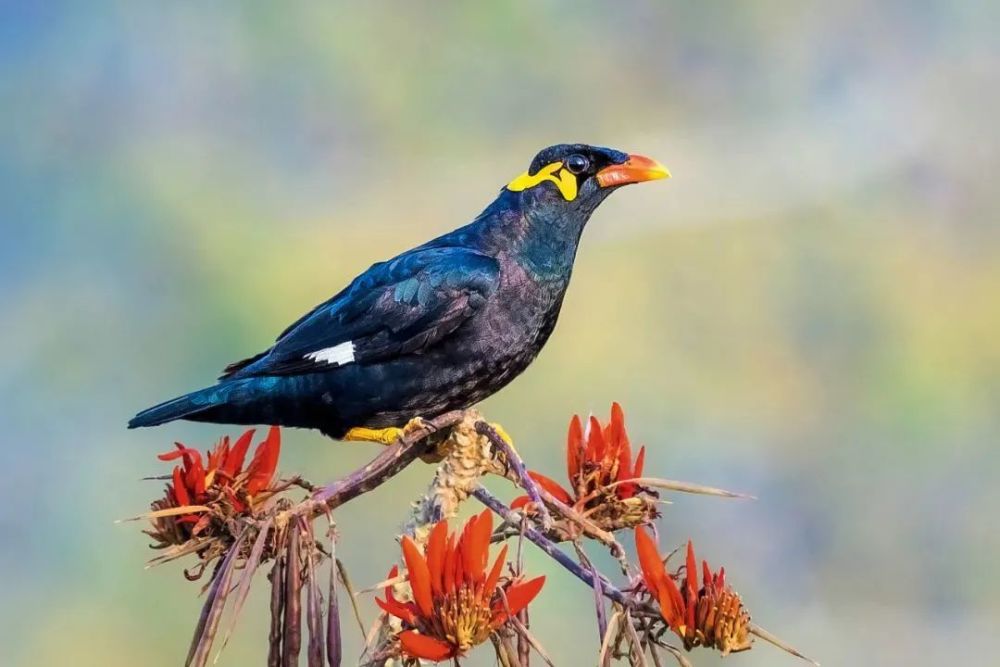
519 317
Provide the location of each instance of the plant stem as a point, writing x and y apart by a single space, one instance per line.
549 547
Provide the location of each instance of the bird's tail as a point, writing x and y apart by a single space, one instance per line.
188 406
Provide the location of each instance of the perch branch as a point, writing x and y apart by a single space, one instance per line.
516 465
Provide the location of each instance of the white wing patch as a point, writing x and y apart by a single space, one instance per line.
341 354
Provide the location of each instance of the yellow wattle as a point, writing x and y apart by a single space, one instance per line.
564 180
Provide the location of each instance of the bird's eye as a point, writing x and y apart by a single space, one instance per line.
577 164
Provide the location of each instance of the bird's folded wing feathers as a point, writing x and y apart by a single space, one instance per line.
398 307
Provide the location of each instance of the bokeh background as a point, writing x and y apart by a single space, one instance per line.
808 311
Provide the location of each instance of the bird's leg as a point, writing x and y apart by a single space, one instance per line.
383 436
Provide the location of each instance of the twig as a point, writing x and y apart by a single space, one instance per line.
780 643
179 550
683 487
314 612
524 633
604 657
277 604
292 641
678 656
589 527
390 461
523 642
550 548
600 611
204 634
334 641
634 641
517 465
243 587
506 655
351 595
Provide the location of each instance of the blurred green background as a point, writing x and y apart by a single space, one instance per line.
808 311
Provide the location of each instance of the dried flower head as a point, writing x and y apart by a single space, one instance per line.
710 614
213 488
599 464
456 603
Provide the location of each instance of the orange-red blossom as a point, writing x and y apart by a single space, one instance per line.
456 603
710 614
598 464
196 482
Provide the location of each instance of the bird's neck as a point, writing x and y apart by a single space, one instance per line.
543 240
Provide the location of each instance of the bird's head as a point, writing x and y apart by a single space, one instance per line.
569 179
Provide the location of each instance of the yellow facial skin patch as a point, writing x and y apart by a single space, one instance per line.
564 180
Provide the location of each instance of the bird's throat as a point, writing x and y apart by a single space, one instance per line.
548 245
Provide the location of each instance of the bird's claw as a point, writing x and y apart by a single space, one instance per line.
503 434
416 424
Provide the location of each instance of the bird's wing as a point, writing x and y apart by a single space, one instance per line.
402 306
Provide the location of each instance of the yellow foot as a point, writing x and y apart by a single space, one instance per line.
383 436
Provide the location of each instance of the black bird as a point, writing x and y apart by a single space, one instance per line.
437 328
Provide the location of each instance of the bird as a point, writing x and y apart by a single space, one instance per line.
437 328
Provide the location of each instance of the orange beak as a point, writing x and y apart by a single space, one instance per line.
637 169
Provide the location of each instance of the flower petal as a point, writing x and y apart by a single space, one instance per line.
175 454
237 455
691 574
519 595
617 436
494 576
673 610
265 462
397 609
436 544
450 558
419 576
550 485
640 461
196 479
180 490
653 571
426 648
476 546
519 502
216 456
595 441
668 607
574 447
393 573
192 457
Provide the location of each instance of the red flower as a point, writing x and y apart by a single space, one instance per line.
711 614
221 481
456 603
595 463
